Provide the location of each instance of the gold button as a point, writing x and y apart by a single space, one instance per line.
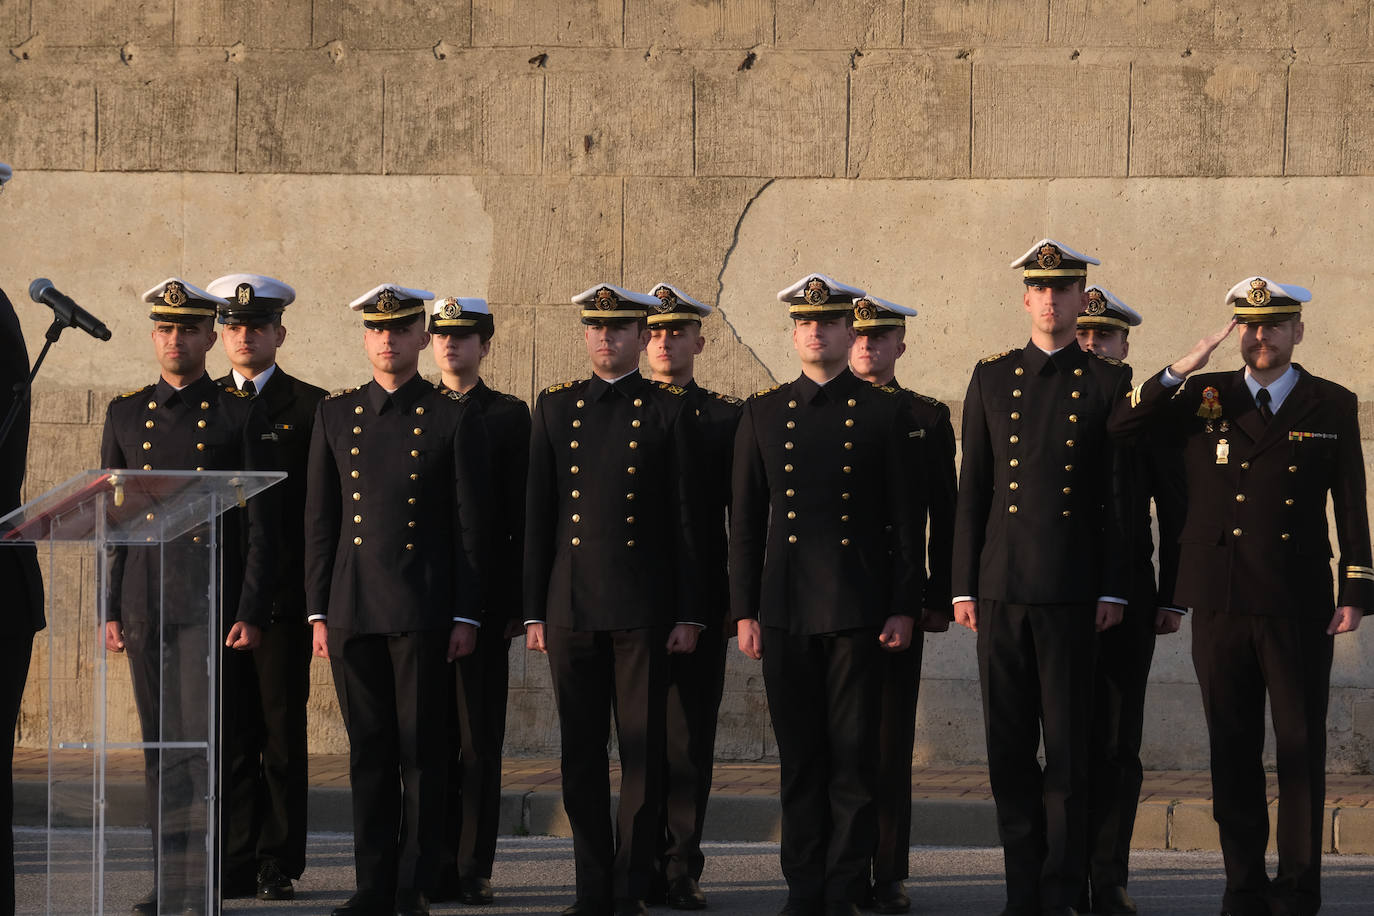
581 403
414 453
1068 467
630 543
1236 531
419 411
353 474
152 405
1016 414
791 403
147 445
844 496
358 409
1075 394
357 541
573 469
630 496
357 429
1015 439
411 501
1245 465
791 424
844 518
149 467
1016 392
1240 497
792 514
204 405
576 494
1284 536
357 519
1073 418
414 476
852 403
410 524
1288 501
631 469
634 444
787 468
791 539
200 446
1069 443
417 430
1078 372
849 422
1068 491
638 402
577 424
844 542
791 492
576 541
410 547
1015 462
353 450
1066 513
149 424
629 519
635 424
1011 509
196 539
848 470
572 444
1020 371
1013 486
149 516
849 445
1292 469
357 496
200 469
576 517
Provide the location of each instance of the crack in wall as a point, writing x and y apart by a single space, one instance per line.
725 264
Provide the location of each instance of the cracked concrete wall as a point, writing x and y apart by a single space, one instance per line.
525 151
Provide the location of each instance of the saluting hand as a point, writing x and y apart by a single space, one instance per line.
1197 357
1345 620
243 636
896 634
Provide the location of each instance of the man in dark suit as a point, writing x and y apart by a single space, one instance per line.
265 848
826 569
609 587
156 596
393 511
19 574
881 340
1263 447
1038 571
462 329
695 680
1124 652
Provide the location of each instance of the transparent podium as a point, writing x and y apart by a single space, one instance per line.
132 734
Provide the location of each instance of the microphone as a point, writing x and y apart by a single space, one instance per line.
68 312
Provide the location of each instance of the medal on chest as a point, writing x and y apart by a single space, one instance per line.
1223 451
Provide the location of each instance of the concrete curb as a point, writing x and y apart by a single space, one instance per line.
1178 825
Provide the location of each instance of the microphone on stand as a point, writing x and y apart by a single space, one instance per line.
67 311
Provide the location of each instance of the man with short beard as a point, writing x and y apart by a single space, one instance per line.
826 570
1263 447
187 422
393 513
462 330
880 327
266 802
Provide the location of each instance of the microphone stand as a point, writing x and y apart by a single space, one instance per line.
23 390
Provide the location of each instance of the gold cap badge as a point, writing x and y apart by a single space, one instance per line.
174 295
817 293
1259 294
386 301
1097 305
1048 257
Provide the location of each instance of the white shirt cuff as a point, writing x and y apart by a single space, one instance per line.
528 622
1110 600
963 598
475 623
692 623
1169 379
314 617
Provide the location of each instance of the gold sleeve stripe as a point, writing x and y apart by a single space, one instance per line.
1359 572
1135 396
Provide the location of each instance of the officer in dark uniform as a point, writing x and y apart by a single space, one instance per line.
186 421
19 575
393 512
1038 570
826 570
1124 652
462 329
881 329
610 587
696 680
266 842
1263 447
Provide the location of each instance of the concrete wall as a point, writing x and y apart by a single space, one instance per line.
525 151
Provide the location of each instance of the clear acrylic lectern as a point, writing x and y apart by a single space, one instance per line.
132 736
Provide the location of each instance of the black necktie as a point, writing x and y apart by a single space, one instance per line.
249 388
1262 398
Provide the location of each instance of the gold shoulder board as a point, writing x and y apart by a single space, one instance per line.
995 357
341 392
766 391
729 399
1108 359
559 387
135 392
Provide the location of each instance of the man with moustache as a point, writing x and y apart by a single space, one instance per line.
1124 652
610 587
826 570
695 680
462 330
1038 571
393 513
265 845
880 327
186 421
1263 447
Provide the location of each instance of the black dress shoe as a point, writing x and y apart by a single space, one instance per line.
840 908
272 884
475 891
889 897
145 905
629 906
365 903
411 903
685 894
1113 900
588 906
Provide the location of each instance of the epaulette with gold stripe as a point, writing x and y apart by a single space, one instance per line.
341 392
995 357
135 393
560 386
728 398
1109 359
670 388
890 389
933 402
758 394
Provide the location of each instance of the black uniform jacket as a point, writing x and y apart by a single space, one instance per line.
288 407
202 427
1036 514
506 419
828 516
19 573
718 416
1152 470
393 509
942 488
1255 540
610 510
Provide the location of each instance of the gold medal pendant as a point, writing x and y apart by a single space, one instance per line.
1210 408
1223 451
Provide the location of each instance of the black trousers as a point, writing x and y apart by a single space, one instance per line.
695 684
1124 654
1239 659
901 682
15 653
1035 663
393 691
477 731
597 674
282 667
823 698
